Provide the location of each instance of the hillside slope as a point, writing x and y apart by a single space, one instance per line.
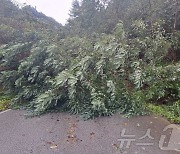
24 23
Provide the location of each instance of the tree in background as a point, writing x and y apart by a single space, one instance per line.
101 16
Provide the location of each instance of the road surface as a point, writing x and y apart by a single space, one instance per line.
61 133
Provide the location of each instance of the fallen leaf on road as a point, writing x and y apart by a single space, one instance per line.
115 146
138 125
92 133
49 143
54 146
72 137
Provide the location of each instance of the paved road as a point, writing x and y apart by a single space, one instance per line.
62 133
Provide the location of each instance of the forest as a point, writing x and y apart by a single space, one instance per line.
112 56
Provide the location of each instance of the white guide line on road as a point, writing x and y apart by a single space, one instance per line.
5 111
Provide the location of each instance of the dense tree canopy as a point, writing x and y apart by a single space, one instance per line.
103 15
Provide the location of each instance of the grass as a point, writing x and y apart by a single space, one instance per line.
5 101
171 112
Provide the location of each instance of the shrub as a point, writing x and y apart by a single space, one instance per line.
92 79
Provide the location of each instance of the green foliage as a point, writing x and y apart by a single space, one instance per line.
164 83
171 112
102 16
26 24
5 101
94 66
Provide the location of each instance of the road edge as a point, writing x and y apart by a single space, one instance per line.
5 111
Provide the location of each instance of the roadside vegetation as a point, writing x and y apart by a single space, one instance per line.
171 112
5 101
112 56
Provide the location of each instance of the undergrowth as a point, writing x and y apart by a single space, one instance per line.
5 101
171 112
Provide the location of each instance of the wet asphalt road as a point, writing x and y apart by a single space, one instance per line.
61 133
